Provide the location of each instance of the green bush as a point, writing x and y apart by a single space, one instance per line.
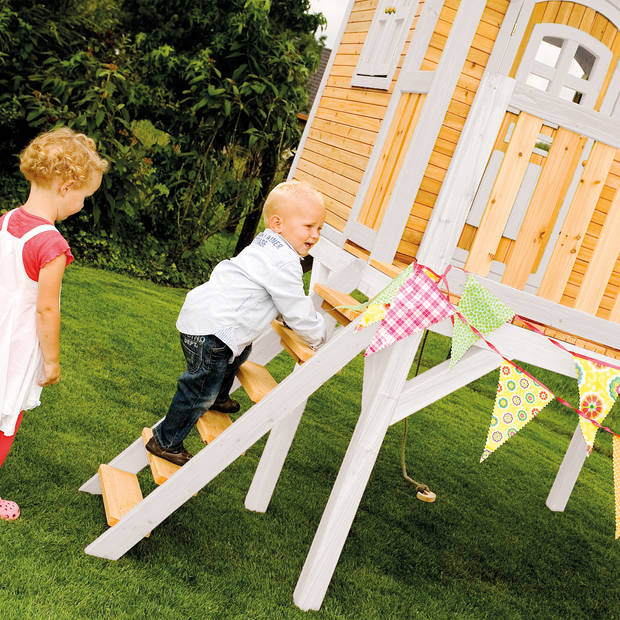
193 103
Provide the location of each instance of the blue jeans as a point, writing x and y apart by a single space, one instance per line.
208 378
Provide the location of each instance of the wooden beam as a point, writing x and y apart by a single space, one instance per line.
468 164
384 375
427 129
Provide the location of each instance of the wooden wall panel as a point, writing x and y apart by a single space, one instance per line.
454 120
346 122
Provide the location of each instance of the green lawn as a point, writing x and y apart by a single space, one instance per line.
488 548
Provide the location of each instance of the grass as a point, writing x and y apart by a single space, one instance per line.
488 548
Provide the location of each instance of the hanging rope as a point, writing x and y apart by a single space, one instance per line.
423 491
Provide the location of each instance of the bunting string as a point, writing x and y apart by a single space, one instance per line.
525 372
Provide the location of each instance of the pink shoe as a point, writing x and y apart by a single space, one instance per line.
9 511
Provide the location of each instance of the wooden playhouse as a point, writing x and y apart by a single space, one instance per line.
478 133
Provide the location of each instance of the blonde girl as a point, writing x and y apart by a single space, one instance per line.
63 168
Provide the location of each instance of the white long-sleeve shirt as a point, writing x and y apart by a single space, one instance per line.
245 293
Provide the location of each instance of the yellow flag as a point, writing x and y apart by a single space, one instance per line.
519 399
598 390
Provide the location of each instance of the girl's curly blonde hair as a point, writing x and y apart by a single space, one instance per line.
61 154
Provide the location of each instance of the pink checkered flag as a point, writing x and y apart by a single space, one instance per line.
418 304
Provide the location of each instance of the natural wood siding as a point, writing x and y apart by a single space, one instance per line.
594 281
454 120
391 160
580 17
346 123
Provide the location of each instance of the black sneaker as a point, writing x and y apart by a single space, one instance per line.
226 406
178 458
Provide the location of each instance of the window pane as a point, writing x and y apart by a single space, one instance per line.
537 81
581 65
549 51
570 94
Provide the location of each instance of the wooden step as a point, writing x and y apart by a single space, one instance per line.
299 350
333 298
256 380
120 490
211 424
160 468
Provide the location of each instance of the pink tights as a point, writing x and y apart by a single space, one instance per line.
7 442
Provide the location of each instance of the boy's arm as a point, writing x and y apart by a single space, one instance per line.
287 291
48 317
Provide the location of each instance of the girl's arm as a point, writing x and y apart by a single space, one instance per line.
48 317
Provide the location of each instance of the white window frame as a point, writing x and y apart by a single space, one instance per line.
558 76
384 43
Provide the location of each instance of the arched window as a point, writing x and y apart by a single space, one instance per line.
565 62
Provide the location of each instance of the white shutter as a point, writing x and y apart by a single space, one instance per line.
386 38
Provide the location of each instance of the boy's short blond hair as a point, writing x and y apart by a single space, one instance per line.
61 154
287 189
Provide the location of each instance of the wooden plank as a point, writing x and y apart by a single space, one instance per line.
587 21
602 263
358 95
160 468
503 194
120 491
293 343
568 473
345 189
345 118
367 110
332 299
315 144
353 139
212 424
576 222
256 380
545 204
331 165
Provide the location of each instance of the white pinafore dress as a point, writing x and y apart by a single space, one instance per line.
21 361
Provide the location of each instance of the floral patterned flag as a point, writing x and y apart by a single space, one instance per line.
483 310
519 399
418 304
599 386
616 444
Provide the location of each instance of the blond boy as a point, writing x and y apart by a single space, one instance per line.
222 317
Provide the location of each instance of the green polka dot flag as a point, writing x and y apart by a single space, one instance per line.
483 310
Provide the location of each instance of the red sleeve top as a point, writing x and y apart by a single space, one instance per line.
42 248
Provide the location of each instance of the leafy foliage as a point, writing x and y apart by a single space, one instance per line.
194 103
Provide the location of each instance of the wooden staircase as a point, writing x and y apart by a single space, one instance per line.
121 489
